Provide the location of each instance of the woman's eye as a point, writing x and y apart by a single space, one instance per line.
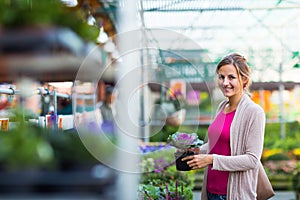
231 77
220 77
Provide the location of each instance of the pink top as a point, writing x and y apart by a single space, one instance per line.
219 142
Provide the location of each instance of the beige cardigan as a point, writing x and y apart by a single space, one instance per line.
246 143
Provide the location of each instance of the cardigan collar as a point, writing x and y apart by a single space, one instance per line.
244 98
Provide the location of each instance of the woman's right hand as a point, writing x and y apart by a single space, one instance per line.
199 161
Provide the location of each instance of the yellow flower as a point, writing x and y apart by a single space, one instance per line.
296 152
269 152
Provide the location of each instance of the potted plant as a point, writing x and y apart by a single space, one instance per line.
186 144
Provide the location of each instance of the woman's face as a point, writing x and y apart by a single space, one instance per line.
229 81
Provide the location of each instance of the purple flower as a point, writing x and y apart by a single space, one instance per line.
184 140
183 136
160 165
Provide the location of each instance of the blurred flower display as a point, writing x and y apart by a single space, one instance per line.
152 146
161 180
281 167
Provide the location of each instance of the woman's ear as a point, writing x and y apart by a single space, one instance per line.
245 81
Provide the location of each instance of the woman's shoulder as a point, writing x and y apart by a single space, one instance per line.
222 104
251 106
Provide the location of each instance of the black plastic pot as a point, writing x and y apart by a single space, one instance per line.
182 165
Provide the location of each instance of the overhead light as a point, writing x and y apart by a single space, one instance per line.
103 37
91 20
70 3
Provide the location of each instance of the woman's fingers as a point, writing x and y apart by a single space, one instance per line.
195 161
187 158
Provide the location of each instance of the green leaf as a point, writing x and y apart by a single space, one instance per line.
295 54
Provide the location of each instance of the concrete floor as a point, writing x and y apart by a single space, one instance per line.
279 195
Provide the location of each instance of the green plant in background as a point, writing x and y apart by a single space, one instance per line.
22 13
161 180
162 134
205 105
277 157
28 146
273 139
280 155
21 147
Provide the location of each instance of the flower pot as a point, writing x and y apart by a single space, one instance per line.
182 165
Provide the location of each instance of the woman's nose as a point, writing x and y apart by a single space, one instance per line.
226 81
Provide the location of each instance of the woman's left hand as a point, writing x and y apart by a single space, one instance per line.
199 161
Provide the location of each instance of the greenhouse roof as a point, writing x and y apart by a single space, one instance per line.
266 32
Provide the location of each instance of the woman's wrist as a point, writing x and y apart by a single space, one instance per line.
211 159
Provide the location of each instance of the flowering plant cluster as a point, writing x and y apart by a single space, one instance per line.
184 140
160 180
281 167
147 147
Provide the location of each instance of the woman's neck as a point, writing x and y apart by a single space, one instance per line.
233 103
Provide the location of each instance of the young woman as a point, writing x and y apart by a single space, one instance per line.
235 137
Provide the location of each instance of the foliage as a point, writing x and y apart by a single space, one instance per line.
296 178
206 103
148 159
277 157
184 140
277 148
28 146
163 134
161 180
270 152
273 139
20 13
25 149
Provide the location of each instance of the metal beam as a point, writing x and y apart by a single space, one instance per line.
221 9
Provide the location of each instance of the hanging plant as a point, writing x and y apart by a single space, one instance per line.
22 13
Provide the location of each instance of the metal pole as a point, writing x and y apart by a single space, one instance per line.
9 91
12 91
281 105
144 124
127 81
74 105
54 101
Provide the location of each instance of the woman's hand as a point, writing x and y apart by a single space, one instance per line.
199 161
